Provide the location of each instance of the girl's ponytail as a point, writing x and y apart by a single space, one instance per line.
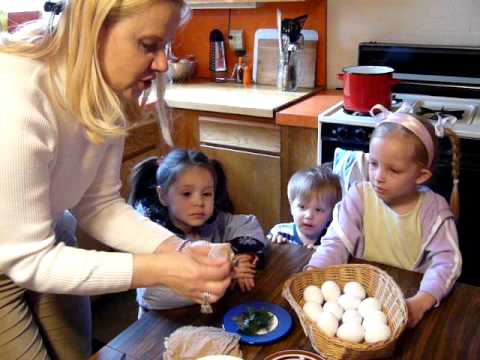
143 184
454 196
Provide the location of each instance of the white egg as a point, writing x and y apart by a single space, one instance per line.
375 316
334 308
367 305
352 316
351 332
313 293
330 290
377 332
313 310
355 289
348 302
327 323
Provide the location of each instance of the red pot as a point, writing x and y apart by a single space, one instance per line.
366 86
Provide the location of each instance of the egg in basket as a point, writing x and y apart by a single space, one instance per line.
329 341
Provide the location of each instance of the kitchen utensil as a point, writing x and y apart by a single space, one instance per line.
217 52
366 86
266 56
181 70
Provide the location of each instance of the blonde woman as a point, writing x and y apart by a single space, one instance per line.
70 89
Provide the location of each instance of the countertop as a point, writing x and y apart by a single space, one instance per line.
305 113
231 98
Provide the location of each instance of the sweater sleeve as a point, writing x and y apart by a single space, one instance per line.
344 235
103 213
242 225
29 251
444 259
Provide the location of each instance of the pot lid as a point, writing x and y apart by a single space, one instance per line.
368 69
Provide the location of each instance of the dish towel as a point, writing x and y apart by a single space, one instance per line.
193 342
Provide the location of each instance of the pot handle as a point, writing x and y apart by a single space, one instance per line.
340 76
394 81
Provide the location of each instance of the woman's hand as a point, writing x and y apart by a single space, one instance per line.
417 306
190 273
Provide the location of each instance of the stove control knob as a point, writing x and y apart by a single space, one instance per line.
341 132
361 135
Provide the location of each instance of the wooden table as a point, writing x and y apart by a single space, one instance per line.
451 331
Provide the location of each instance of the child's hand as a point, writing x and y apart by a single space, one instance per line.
417 306
279 239
244 271
246 284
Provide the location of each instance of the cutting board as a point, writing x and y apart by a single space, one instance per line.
265 58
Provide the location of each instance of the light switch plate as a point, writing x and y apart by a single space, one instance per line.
235 40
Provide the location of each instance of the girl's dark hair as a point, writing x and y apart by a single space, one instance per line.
421 155
153 172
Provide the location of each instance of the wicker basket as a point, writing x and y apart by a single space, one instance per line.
376 282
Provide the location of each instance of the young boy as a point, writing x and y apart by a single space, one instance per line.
312 194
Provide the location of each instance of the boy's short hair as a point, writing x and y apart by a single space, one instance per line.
319 180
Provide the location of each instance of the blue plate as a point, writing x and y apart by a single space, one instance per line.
283 322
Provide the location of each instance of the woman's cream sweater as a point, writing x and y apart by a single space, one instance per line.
48 166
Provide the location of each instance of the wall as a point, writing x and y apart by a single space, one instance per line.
194 37
451 22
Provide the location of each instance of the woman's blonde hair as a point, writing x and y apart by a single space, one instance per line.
72 47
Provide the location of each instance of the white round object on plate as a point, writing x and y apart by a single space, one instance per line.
313 293
352 316
313 310
375 316
327 323
348 302
369 304
355 289
351 331
334 308
330 290
376 332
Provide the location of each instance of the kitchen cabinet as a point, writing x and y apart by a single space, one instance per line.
248 148
299 151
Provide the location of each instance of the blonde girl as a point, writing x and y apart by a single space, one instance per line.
70 89
394 219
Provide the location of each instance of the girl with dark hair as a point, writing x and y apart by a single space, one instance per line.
180 192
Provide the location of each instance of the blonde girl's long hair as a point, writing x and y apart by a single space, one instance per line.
421 154
72 47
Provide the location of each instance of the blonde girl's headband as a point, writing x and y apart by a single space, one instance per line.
404 117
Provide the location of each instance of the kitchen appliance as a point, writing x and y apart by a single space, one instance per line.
366 86
435 79
266 54
217 60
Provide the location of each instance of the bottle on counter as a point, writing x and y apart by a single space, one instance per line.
237 74
247 75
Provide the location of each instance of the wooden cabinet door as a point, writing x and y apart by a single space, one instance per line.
253 182
299 151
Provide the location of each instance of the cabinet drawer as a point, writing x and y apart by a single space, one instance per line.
238 134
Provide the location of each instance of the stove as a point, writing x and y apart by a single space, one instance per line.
432 85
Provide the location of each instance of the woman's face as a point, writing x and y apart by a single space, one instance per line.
131 50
